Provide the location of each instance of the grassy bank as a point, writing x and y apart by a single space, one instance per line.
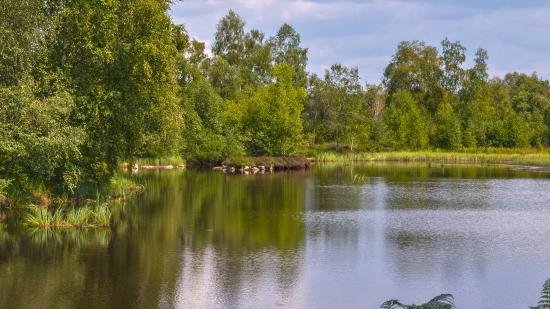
517 157
165 161
89 207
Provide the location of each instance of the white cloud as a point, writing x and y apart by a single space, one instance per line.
365 33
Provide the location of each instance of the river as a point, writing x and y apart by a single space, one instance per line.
337 236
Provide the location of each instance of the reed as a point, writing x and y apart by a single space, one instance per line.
526 158
172 160
73 217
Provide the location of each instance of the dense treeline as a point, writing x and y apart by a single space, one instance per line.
427 99
86 85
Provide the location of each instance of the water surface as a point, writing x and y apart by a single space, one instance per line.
349 236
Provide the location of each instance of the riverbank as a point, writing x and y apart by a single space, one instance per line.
535 160
525 158
247 164
90 207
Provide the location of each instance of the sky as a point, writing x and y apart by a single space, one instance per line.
366 33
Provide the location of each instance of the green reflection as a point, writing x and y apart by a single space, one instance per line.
196 233
140 262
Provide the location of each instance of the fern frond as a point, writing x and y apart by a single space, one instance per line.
393 304
544 301
445 301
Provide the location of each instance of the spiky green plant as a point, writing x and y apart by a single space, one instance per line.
57 218
544 301
37 217
4 184
443 301
102 216
75 217
79 217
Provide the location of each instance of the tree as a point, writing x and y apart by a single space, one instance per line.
480 68
242 62
257 59
453 56
416 68
476 111
316 115
337 110
271 120
407 129
286 49
346 100
22 30
448 131
208 138
226 79
229 40
119 58
375 99
37 143
530 97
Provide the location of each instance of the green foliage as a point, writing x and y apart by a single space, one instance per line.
4 184
271 117
415 67
544 301
406 127
171 160
229 39
124 78
336 109
448 131
453 56
286 49
443 301
37 142
208 137
21 30
86 85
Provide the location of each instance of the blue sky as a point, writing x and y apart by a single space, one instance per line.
365 33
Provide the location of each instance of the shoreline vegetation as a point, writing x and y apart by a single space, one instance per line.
42 209
532 159
529 159
45 210
77 100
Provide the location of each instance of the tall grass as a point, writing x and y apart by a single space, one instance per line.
88 207
72 217
526 158
173 160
